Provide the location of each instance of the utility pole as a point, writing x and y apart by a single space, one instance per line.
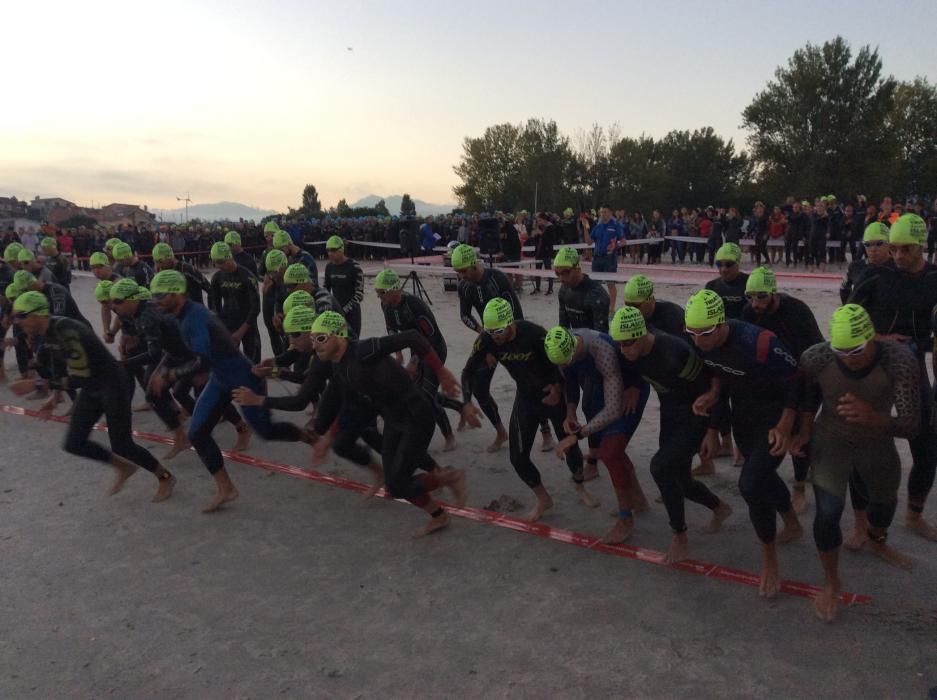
185 199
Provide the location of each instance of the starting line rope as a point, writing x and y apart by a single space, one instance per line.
589 542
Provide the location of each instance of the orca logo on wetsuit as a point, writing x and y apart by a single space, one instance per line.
724 368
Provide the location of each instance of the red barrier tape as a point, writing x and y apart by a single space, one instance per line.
590 542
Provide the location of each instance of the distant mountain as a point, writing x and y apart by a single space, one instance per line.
393 205
220 211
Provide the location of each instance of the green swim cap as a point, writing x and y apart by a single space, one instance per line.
298 298
24 279
25 256
281 239
271 227
102 292
560 345
568 211
110 243
627 324
463 257
909 229
638 290
387 279
97 259
330 322
162 252
334 243
125 289
11 253
761 280
232 238
497 314
220 252
704 309
297 273
729 251
122 252
168 282
876 231
275 261
49 243
31 303
850 327
12 291
299 320
566 257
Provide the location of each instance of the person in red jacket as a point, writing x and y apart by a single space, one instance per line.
777 227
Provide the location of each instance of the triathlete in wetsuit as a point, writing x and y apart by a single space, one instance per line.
518 346
857 381
365 367
672 367
233 296
344 278
103 389
196 284
877 252
658 314
756 371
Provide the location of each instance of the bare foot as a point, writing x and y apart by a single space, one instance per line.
917 523
706 467
451 444
500 439
620 531
639 500
888 554
223 496
769 584
548 443
377 480
590 471
434 524
124 472
791 530
540 507
725 449
178 447
798 500
586 498
826 602
463 425
722 511
455 481
679 548
243 441
165 489
739 458
856 540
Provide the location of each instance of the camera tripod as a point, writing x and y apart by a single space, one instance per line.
416 284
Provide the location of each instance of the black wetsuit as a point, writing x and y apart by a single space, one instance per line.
667 317
233 296
901 303
756 372
195 282
139 272
584 306
526 361
367 368
61 269
732 293
679 376
102 388
346 283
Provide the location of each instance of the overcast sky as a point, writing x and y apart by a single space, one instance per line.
140 101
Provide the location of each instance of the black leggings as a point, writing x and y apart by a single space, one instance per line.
404 450
250 343
163 404
526 417
545 264
357 419
353 319
829 510
761 487
481 390
267 307
185 392
114 402
924 461
681 432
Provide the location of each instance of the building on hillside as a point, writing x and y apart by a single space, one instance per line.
127 214
18 223
11 207
40 208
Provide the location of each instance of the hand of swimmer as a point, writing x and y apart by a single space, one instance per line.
552 395
710 444
564 445
246 397
855 410
632 394
45 410
471 415
448 383
780 440
21 387
704 403
571 424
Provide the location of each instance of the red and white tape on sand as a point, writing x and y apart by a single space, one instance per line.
648 556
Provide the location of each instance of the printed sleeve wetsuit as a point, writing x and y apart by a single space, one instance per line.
600 377
103 388
843 451
903 303
367 368
756 372
412 314
526 361
346 283
584 306
679 376
214 351
233 296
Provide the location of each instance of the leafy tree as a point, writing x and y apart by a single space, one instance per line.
311 207
821 122
407 207
342 209
913 126
380 209
79 220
